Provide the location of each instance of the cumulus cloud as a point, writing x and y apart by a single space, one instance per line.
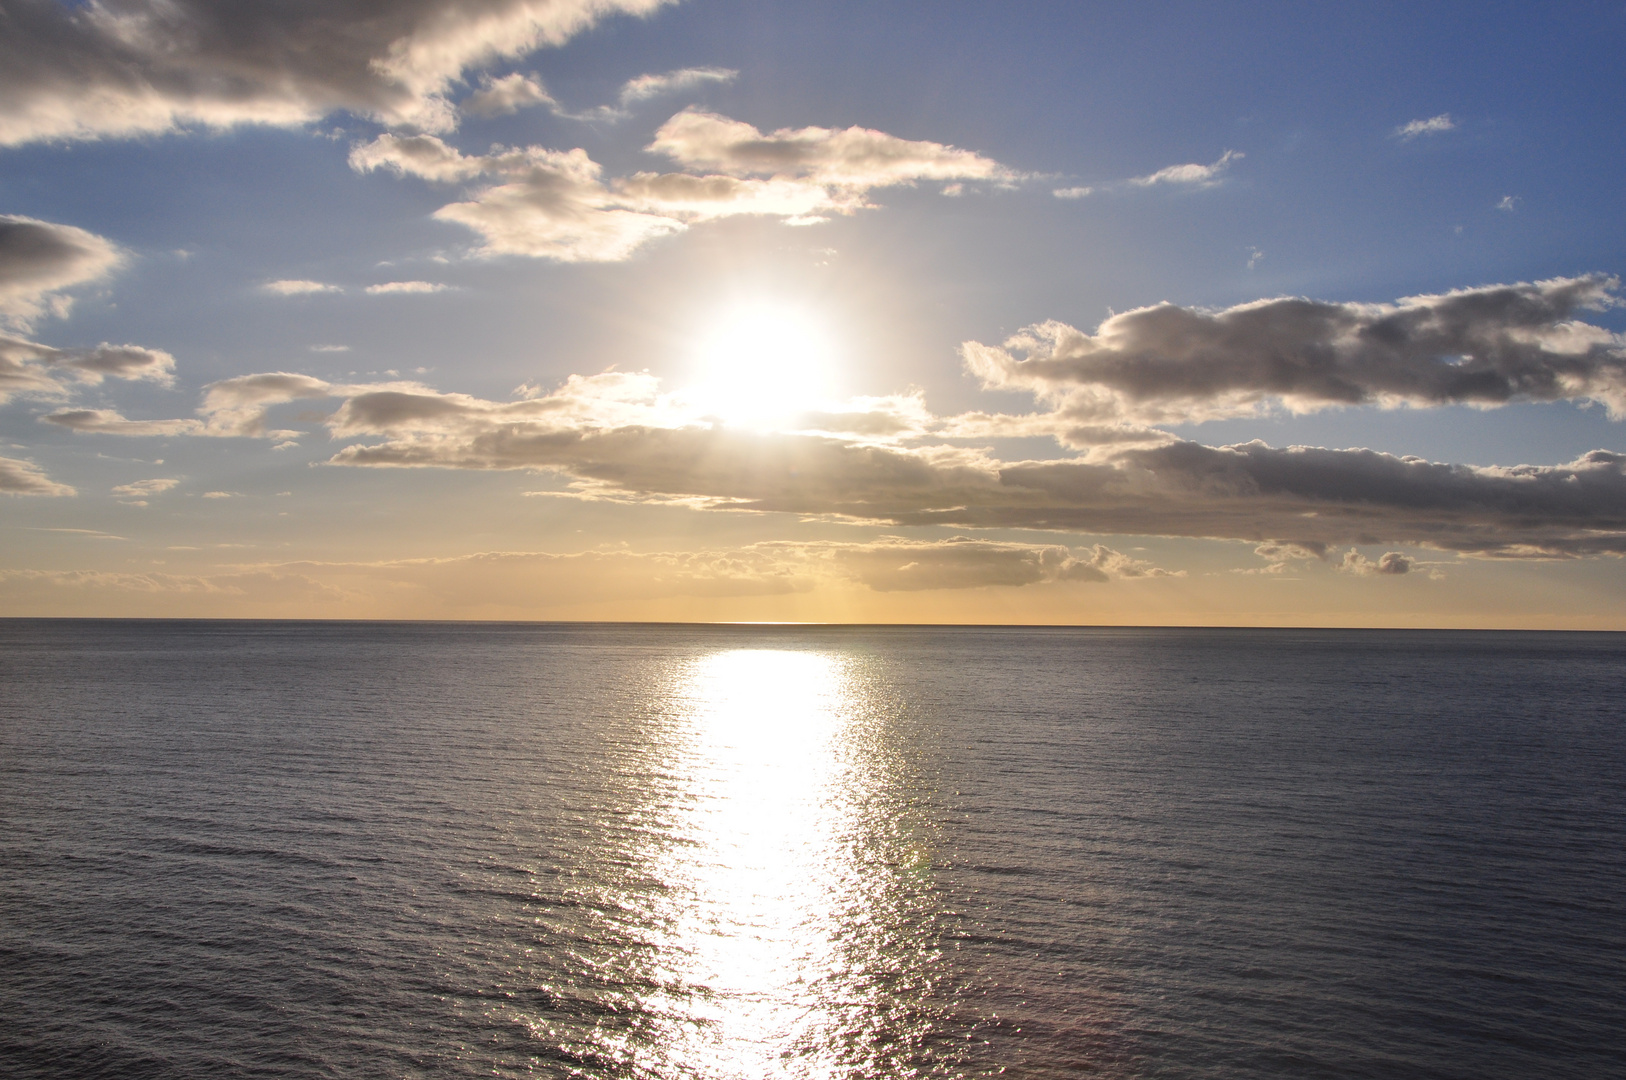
1170 364
1390 563
39 259
237 407
1432 126
29 368
25 478
130 67
1248 492
390 287
558 204
300 287
1193 175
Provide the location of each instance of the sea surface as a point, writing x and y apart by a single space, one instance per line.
728 853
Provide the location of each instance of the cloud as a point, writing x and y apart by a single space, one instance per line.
1389 564
1169 364
1432 126
136 492
498 97
1508 204
390 287
111 422
618 436
557 204
25 478
128 67
28 368
850 158
39 259
1194 175
1073 192
300 287
648 87
898 565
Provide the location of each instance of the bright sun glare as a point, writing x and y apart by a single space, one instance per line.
761 363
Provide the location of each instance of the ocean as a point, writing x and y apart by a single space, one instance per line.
238 849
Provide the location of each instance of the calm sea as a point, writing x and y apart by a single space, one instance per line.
730 853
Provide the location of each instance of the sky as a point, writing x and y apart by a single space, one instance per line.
1155 313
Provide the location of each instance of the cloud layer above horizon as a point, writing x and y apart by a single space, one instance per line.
620 436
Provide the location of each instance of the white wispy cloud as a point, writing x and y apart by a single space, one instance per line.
390 287
499 97
137 492
300 287
1434 125
1192 175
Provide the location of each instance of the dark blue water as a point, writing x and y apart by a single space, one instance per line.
394 850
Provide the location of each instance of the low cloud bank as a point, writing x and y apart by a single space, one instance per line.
620 436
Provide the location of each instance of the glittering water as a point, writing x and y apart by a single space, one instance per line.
336 850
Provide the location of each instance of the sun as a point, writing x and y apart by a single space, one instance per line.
763 362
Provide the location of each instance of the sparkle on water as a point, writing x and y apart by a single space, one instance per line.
768 869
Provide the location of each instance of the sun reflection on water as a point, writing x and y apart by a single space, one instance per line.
770 960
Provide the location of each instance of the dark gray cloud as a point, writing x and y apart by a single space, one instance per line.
1170 364
126 67
1307 496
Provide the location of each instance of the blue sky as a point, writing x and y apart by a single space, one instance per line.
1205 156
